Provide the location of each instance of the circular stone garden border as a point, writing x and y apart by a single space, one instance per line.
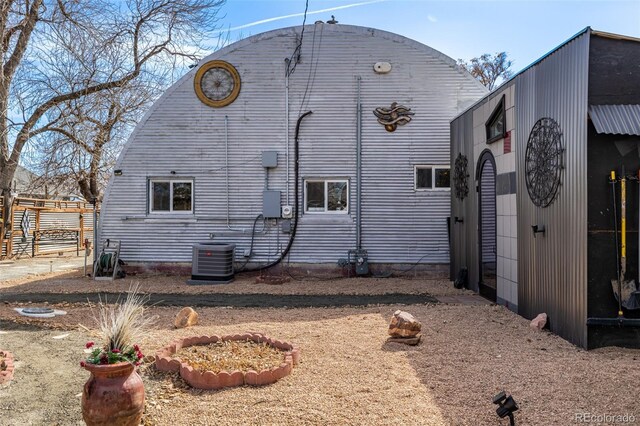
224 379
6 367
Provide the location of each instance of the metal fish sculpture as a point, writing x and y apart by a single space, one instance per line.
391 118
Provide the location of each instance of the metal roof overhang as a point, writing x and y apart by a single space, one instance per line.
616 119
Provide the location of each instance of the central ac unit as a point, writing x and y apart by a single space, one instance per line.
212 263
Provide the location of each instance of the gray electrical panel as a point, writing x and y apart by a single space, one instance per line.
271 204
269 159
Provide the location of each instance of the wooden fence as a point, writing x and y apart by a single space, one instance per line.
36 227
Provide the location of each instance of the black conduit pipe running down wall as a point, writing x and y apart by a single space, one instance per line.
296 171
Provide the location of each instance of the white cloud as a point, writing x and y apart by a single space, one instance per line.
294 15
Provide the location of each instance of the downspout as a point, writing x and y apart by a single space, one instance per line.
226 170
358 165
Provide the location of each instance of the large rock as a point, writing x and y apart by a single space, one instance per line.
403 324
186 318
539 322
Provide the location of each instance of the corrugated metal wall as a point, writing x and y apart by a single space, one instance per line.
465 235
183 135
552 272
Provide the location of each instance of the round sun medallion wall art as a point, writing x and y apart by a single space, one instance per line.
217 83
544 162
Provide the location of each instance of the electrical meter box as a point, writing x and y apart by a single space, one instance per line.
269 159
271 204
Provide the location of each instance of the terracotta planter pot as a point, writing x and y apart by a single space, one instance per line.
113 395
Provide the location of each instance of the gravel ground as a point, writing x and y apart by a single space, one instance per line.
349 374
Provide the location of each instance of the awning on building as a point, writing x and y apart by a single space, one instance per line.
616 119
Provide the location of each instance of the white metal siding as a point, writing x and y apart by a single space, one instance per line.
180 134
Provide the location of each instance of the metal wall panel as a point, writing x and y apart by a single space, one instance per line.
616 119
56 220
552 273
468 137
182 135
464 235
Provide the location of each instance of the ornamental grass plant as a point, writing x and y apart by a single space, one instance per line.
120 326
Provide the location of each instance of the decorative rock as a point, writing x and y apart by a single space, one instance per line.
186 318
413 341
539 322
403 324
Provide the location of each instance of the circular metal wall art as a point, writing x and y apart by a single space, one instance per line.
460 175
544 162
217 83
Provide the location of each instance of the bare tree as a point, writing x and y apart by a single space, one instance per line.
488 69
56 52
80 149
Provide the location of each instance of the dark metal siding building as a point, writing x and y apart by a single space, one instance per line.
561 190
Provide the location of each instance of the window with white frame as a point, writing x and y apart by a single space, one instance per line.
432 177
170 196
326 196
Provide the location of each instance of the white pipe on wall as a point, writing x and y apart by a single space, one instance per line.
226 173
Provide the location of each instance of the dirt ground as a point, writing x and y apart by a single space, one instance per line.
349 374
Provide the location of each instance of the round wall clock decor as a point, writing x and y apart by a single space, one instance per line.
217 83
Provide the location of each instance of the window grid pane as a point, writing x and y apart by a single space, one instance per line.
496 127
443 178
182 196
424 178
161 196
315 197
337 196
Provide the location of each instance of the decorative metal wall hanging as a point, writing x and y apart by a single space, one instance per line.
544 161
394 116
217 83
460 175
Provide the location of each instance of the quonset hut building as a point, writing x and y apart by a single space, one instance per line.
536 216
305 142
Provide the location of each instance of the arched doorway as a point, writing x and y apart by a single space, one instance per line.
487 217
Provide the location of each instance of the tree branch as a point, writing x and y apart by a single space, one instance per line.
23 41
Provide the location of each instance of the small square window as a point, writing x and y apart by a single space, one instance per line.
432 177
168 196
496 125
326 196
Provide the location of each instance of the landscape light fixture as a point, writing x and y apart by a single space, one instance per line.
506 406
117 172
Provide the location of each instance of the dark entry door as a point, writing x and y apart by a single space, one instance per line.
487 238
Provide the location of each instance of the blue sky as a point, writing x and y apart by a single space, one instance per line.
526 30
